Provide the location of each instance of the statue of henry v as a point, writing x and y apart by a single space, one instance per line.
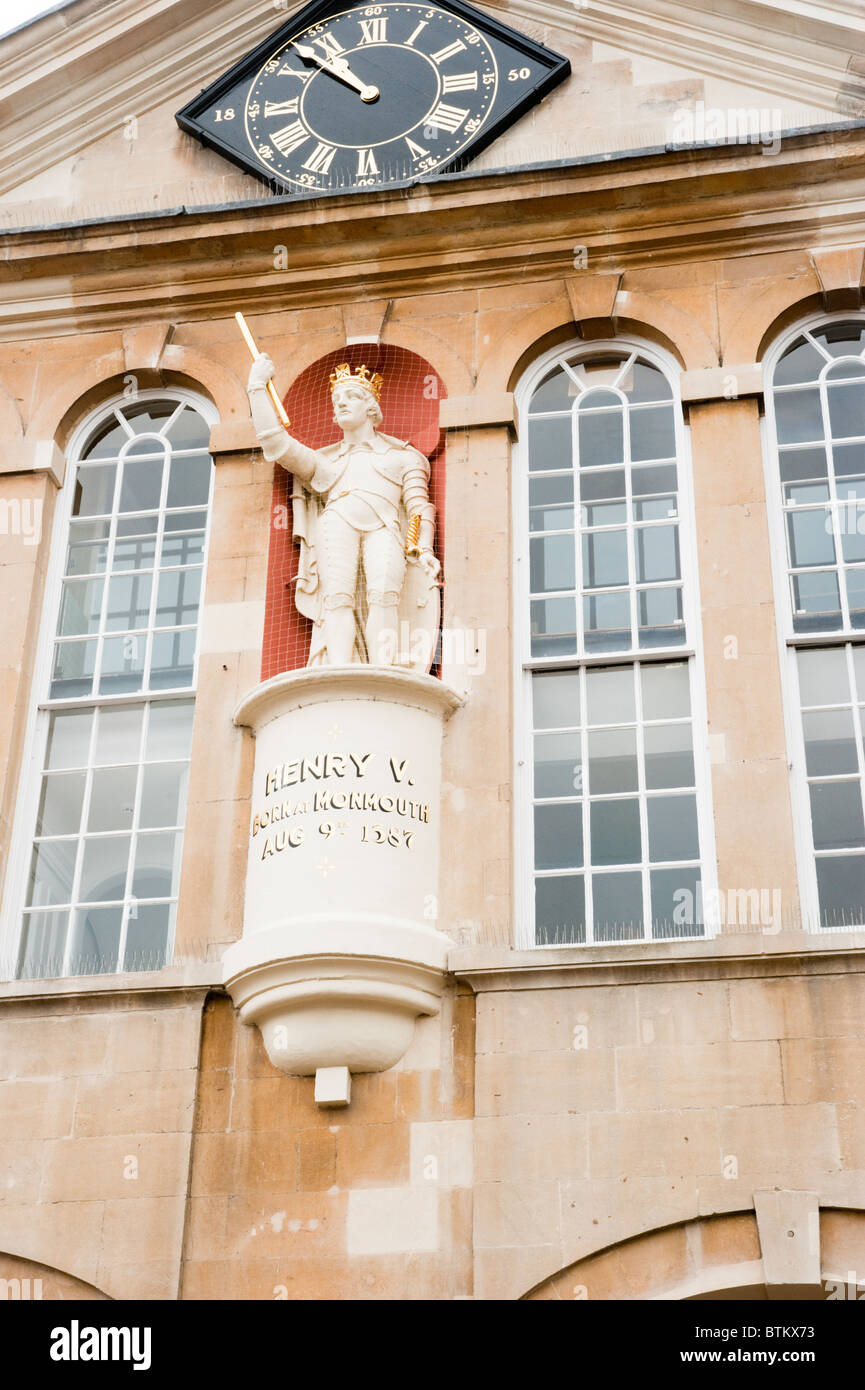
365 524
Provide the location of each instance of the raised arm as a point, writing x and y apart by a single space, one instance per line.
277 444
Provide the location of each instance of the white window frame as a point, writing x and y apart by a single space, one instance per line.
525 665
41 708
790 642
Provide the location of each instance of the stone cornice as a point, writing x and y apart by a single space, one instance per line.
174 986
757 955
662 207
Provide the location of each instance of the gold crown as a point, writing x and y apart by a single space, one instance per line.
362 377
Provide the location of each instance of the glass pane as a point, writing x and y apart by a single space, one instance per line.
112 798
602 486
188 479
607 622
135 545
88 547
601 438
558 765
855 580
798 415
653 433
605 561
677 903
69 738
830 745
801 362
118 736
172 660
549 444
610 695
669 756
148 932
185 521
103 873
96 941
666 691
150 417
107 440
612 761
657 553
169 733
94 490
73 669
560 910
849 460
156 866
797 464
60 804
841 886
847 410
859 671
615 827
851 368
836 815
823 678
43 940
188 549
801 494
555 392
128 602
556 699
646 383
810 538
617 907
551 503
816 593
672 828
655 508
122 664
80 607
645 481
554 626
551 567
603 514
142 484
841 339
52 868
163 799
559 837
659 612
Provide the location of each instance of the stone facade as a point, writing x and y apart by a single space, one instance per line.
603 1122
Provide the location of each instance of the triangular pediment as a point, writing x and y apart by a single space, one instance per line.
89 92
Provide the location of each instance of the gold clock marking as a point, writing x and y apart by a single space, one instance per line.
290 137
462 82
374 30
287 71
446 117
320 160
449 52
366 163
330 46
281 108
415 32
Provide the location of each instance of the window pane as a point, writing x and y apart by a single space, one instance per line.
601 438
645 481
617 907
172 660
122 664
118 735
551 564
610 695
128 602
558 765
188 549
135 545
798 464
823 678
555 392
88 547
798 416
660 617
855 580
142 484
646 383
554 626
847 410
666 691
612 761
147 935
830 744
551 503
841 887
836 815
556 699
94 490
69 738
112 798
810 538
615 827
607 622
156 866
677 903
43 942
550 444
653 433
52 868
849 460
816 593
669 756
189 480
657 553
169 733
73 669
103 872
96 941
560 910
60 804
672 828
801 362
180 593
80 607
559 837
163 798
605 559
603 486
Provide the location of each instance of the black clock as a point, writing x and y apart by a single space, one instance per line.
340 99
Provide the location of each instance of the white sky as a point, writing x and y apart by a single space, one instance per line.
14 13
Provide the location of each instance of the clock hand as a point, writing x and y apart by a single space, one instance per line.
339 68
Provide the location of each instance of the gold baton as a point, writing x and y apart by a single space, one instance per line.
271 389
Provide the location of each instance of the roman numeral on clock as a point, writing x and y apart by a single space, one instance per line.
462 82
281 108
416 151
320 160
290 137
444 53
414 33
446 117
366 162
329 45
286 71
374 30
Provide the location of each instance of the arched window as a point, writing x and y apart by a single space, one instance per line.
614 832
815 412
104 801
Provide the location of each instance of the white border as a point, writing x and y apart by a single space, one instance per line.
692 653
26 800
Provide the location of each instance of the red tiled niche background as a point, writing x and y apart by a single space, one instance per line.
410 404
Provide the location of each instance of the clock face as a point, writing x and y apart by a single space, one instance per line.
340 99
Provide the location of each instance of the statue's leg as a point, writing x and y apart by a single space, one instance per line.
342 543
384 565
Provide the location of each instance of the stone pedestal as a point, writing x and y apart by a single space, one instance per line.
340 951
